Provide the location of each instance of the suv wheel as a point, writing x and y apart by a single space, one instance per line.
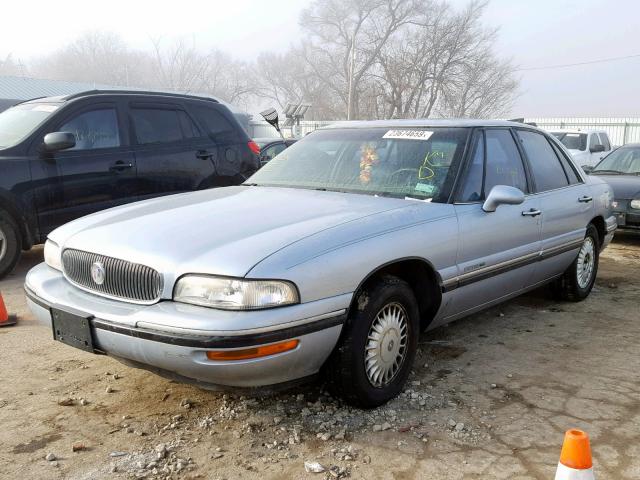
10 242
576 283
372 362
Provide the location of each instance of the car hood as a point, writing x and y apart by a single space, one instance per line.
624 186
224 231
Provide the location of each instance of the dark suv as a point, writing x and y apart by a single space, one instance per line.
65 157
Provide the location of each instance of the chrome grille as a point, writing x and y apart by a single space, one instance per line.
122 279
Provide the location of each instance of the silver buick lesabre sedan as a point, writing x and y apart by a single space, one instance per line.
331 259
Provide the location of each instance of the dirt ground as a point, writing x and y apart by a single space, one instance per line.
490 397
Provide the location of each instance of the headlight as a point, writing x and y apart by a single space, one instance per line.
52 255
234 293
635 204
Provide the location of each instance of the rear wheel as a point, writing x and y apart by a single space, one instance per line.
378 346
576 283
10 240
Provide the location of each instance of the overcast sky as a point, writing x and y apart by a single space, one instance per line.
534 33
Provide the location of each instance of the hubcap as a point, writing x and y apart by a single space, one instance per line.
386 344
3 244
586 262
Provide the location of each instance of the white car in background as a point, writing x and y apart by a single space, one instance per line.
587 147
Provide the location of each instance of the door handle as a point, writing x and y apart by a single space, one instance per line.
203 154
120 166
531 213
585 199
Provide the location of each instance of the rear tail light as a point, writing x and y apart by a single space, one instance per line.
254 147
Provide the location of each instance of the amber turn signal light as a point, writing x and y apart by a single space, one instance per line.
255 352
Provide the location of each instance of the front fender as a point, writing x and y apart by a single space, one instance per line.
336 261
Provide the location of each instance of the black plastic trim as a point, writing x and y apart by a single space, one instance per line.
212 341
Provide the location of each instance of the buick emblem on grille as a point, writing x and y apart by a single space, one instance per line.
98 273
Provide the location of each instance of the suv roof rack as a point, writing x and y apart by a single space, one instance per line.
138 92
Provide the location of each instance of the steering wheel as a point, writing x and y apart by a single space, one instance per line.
407 171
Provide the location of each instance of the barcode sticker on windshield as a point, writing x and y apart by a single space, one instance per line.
408 134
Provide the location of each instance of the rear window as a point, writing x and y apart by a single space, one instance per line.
573 141
604 138
216 125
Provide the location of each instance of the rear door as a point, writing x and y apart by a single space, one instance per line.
497 250
563 199
234 161
172 153
98 173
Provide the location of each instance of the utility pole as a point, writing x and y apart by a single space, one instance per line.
351 69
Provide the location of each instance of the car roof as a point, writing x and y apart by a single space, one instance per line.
427 122
572 130
91 93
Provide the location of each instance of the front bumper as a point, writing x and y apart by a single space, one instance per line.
628 219
172 339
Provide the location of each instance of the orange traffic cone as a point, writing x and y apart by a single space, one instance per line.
6 319
575 458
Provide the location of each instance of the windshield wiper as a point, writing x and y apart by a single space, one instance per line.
249 185
604 170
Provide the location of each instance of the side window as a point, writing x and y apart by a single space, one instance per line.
504 165
545 165
604 139
161 125
215 124
594 140
569 169
273 150
472 186
94 129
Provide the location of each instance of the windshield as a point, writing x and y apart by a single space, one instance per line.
573 141
17 122
411 162
624 160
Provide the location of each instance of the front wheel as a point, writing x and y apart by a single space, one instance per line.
371 364
576 283
10 240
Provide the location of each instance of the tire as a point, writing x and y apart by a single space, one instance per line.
10 244
386 303
576 283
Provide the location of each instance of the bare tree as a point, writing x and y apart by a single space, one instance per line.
97 57
443 64
10 66
345 38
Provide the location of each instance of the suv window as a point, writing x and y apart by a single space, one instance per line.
162 125
545 165
94 129
604 139
594 140
215 124
504 164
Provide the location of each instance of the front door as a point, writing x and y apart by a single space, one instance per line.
498 250
99 172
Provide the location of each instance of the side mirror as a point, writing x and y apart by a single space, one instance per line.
502 195
597 148
587 168
56 141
